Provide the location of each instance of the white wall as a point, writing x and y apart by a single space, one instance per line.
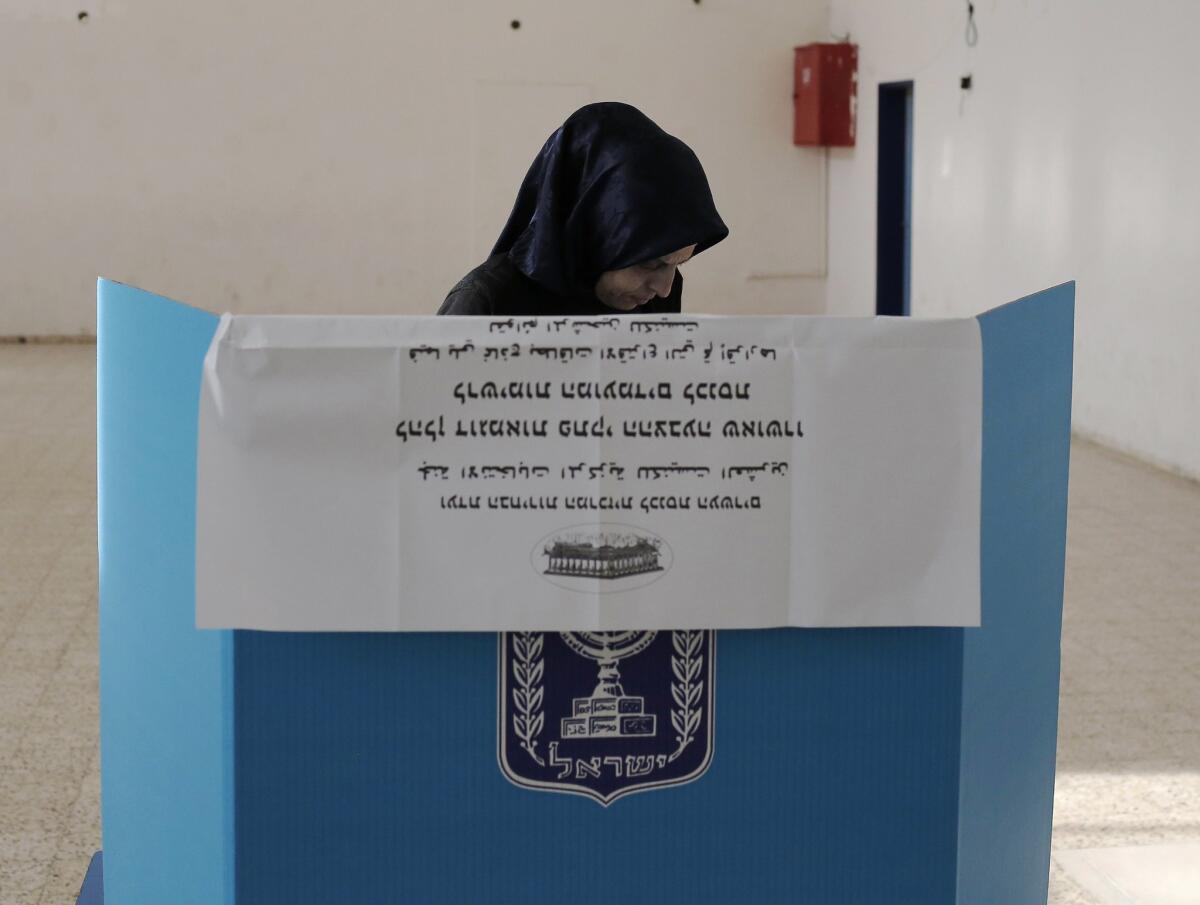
360 156
1075 156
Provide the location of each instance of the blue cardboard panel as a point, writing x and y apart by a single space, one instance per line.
366 772
872 766
1011 663
165 689
92 890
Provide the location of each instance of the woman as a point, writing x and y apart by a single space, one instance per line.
609 210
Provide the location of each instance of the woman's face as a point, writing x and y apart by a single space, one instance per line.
631 287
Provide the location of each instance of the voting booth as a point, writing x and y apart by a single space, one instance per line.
638 609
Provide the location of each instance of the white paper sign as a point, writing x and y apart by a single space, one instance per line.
422 473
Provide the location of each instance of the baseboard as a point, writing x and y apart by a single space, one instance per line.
81 339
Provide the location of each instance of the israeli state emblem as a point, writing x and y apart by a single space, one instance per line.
605 714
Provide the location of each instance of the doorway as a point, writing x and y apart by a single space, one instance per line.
893 223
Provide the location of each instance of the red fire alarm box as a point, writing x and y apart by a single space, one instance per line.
826 95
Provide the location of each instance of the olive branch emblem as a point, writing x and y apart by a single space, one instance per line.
686 664
528 691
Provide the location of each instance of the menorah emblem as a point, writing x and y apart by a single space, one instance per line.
609 743
608 712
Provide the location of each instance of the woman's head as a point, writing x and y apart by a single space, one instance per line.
631 287
610 207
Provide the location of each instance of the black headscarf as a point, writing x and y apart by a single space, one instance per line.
608 190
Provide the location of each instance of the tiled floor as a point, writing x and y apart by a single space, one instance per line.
49 765
1161 874
1129 719
1129 756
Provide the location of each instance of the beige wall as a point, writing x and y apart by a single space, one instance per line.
1073 157
359 157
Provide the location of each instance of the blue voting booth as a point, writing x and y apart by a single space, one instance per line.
902 765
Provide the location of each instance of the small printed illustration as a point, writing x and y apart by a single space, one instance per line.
602 555
605 714
604 558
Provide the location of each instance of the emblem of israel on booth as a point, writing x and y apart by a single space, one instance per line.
605 714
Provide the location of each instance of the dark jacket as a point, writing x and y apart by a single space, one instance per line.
608 190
